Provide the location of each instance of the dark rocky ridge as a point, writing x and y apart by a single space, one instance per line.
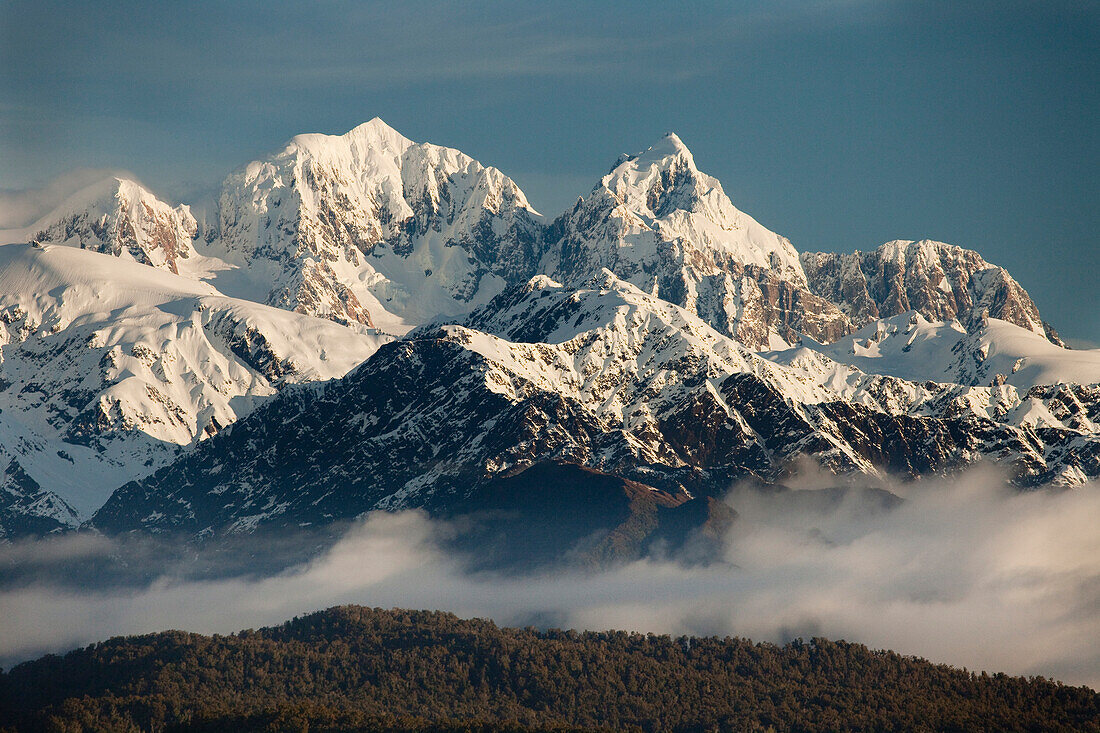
25 509
430 422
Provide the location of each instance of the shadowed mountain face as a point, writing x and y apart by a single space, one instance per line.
556 512
25 509
615 380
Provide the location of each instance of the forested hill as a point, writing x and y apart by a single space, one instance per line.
354 668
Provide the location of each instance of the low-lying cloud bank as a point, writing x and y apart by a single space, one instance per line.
966 572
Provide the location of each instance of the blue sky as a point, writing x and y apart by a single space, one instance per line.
840 124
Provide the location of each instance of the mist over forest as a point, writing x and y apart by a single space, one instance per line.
966 571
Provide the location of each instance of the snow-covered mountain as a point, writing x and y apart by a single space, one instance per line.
370 227
367 228
109 367
654 337
658 222
1041 386
940 281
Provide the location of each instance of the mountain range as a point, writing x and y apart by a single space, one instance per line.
364 322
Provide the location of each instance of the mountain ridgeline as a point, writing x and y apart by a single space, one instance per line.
364 322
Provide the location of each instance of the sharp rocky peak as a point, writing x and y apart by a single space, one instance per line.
660 223
662 178
669 148
374 135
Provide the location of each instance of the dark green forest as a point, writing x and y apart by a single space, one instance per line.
355 668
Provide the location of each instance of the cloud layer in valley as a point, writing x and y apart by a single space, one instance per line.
966 572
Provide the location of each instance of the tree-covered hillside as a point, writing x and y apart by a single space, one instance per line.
355 668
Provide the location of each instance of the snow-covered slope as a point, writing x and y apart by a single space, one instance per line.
940 281
108 367
372 228
658 222
639 355
992 352
117 216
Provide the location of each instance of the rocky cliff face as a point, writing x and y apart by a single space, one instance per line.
940 281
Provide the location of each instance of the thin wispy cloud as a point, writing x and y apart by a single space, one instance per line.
20 208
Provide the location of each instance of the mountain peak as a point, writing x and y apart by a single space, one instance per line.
666 152
667 164
673 140
373 135
317 207
376 127
116 215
